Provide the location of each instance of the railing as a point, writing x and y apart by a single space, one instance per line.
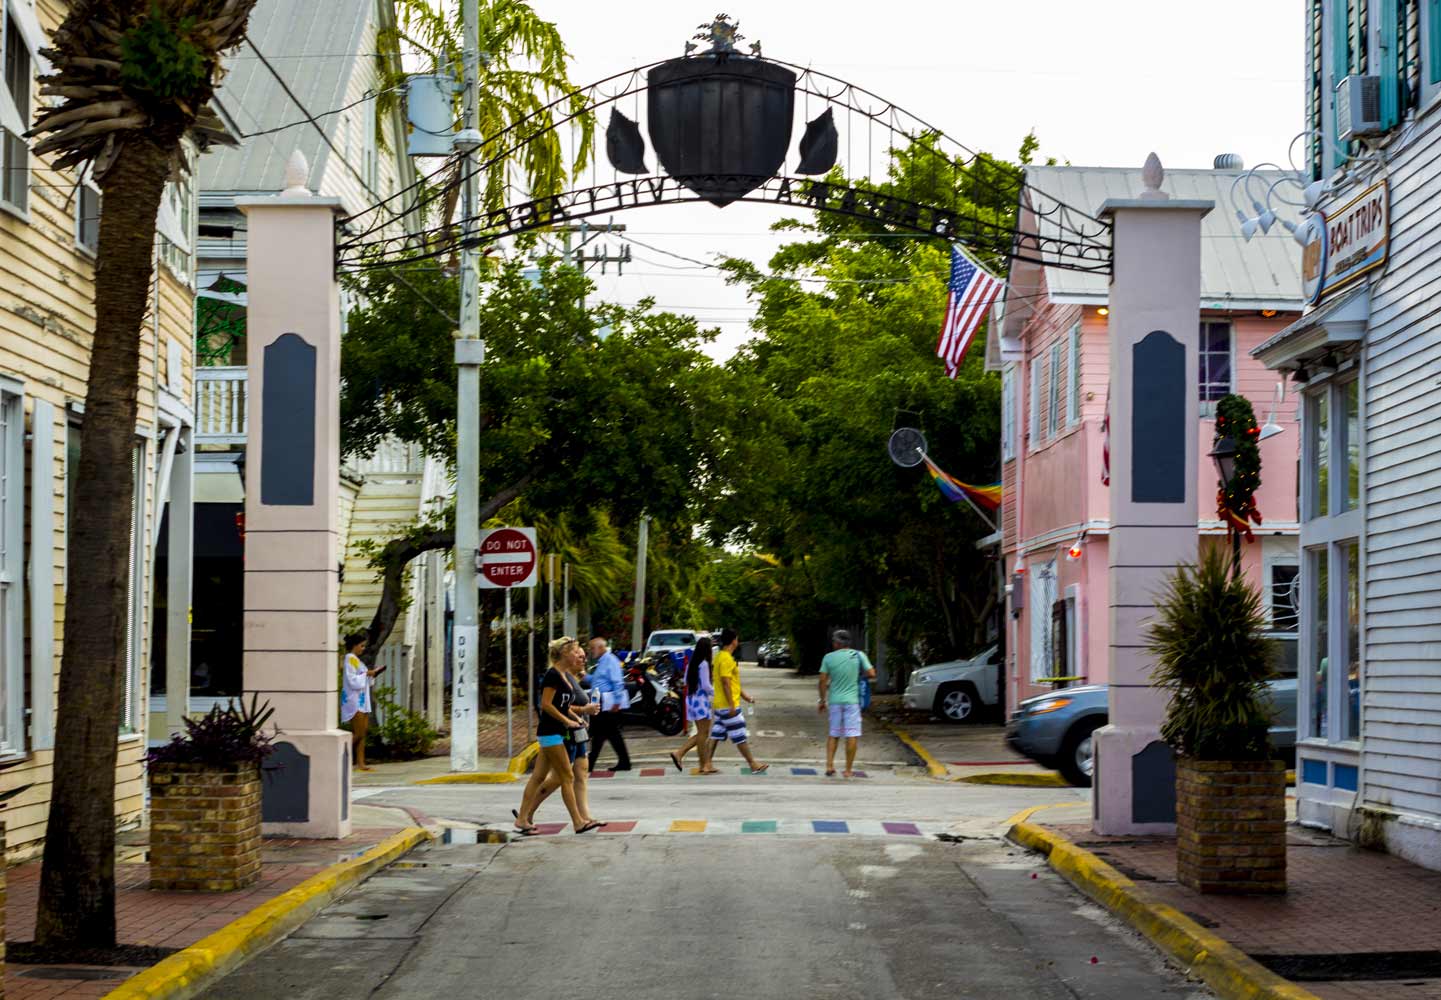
391 458
220 405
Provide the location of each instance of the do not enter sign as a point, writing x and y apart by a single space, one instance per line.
507 558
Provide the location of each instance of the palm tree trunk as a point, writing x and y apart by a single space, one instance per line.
77 881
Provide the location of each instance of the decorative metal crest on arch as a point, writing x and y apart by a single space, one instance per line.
720 124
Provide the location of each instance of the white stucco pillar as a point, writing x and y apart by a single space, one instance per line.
292 483
180 550
1153 329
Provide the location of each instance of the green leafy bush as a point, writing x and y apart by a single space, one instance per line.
1213 659
403 735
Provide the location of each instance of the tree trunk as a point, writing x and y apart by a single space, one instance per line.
398 553
77 881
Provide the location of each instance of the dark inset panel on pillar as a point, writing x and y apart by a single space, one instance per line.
1153 785
287 434
1158 419
345 783
285 788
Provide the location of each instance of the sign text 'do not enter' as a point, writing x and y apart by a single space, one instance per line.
507 558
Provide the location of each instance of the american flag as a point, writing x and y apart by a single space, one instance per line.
972 290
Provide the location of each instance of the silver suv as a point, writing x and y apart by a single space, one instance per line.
957 690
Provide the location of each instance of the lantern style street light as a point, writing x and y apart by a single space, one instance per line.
1224 455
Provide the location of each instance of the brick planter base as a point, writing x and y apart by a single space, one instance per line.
1231 825
204 827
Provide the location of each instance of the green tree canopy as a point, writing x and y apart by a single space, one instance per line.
847 355
582 411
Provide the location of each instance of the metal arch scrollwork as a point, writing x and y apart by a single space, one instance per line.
1048 232
856 201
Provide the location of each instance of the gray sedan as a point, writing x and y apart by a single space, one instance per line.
1055 730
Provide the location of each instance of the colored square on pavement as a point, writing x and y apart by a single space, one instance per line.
859 774
653 772
908 829
830 826
615 827
602 774
549 829
803 770
758 826
746 770
688 826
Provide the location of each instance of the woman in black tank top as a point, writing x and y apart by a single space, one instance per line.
556 720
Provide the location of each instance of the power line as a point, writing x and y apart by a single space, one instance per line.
369 96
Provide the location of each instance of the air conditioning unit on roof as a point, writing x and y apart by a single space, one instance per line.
1358 107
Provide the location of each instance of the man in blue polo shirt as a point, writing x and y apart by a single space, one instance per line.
841 673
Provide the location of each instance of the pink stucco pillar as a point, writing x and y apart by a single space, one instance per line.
1154 316
292 479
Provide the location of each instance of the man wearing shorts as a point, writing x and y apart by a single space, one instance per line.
727 722
841 673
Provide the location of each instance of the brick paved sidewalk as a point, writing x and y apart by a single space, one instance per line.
1345 905
160 919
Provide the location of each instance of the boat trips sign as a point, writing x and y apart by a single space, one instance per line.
1341 246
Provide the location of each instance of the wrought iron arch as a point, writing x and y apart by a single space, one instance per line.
841 116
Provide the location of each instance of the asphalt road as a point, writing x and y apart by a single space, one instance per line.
785 885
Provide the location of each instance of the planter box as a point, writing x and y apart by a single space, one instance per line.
1231 825
204 827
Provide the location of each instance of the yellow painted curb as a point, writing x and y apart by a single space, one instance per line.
520 763
471 778
1220 964
1019 779
933 767
193 969
515 770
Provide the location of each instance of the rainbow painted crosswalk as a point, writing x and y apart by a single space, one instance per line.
731 827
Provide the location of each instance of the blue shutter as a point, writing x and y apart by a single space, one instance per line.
1433 40
1340 67
1392 64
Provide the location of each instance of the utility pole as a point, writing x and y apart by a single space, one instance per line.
637 626
469 353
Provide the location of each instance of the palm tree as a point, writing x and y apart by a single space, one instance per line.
525 72
136 77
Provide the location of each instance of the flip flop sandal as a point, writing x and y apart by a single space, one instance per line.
676 761
528 831
761 770
589 827
830 774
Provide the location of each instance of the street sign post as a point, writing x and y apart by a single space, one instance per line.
507 558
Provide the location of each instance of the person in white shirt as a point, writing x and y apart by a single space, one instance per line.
355 701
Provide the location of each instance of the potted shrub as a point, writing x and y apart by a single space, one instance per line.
1230 793
205 801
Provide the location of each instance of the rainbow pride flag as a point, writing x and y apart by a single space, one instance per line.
955 491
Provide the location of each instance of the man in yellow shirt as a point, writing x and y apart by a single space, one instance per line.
729 722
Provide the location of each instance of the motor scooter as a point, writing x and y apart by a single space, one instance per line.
654 686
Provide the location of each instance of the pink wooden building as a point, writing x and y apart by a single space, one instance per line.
1053 358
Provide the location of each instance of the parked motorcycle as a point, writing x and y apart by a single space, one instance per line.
655 687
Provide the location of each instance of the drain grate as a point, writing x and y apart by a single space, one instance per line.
1378 965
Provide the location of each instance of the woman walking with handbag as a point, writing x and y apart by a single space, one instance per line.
556 721
699 696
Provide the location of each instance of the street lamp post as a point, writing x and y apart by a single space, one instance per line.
1224 455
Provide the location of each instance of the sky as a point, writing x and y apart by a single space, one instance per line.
1101 82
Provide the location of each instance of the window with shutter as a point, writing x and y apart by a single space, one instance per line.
1315 89
1058 382
1073 386
12 568
18 78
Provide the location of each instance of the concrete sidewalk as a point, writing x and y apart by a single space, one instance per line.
1353 925
974 752
172 920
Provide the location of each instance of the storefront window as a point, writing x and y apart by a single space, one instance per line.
1351 405
1320 642
1317 426
1353 642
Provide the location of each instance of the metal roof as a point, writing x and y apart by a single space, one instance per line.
315 47
1264 273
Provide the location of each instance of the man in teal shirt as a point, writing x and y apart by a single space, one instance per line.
841 673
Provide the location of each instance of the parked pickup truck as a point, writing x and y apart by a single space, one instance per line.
957 690
1055 730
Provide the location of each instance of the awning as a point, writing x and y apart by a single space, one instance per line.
1336 327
